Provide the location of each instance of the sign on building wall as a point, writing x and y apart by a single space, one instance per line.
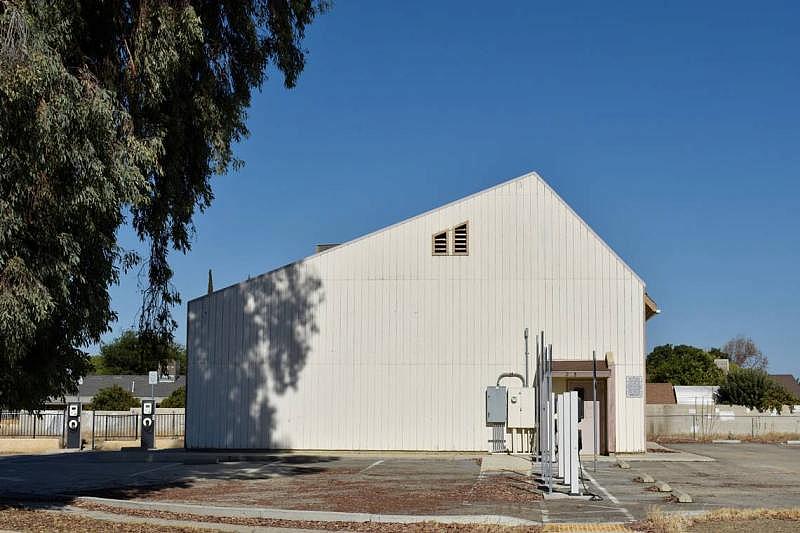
633 386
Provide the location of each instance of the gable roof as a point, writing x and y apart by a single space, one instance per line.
530 175
660 393
788 382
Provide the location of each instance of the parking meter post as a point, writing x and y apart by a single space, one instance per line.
73 425
148 424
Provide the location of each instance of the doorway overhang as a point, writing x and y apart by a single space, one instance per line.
564 368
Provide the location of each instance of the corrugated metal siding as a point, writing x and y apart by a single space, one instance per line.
377 344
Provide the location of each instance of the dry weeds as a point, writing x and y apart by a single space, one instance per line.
659 522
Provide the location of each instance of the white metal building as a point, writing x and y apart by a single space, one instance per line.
387 342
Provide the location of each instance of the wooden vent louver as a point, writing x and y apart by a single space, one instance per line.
440 243
460 240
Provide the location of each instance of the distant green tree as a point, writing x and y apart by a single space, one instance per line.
98 366
753 388
682 365
716 353
113 398
132 353
176 399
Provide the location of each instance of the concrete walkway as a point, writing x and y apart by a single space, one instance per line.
502 462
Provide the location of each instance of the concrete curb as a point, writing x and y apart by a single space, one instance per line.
793 442
622 464
681 496
663 486
726 441
316 516
644 478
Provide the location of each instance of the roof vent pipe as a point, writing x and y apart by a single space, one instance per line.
511 375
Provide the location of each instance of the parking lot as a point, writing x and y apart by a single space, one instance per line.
742 475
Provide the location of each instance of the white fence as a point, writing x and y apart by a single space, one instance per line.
95 426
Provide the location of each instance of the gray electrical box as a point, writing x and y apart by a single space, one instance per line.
496 405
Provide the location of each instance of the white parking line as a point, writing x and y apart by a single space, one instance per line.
608 495
153 469
545 516
376 463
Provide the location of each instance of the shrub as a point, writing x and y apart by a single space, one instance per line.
754 389
176 399
113 398
682 365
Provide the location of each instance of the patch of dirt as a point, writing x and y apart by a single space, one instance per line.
346 490
16 519
369 527
504 489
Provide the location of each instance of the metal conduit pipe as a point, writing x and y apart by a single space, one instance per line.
511 375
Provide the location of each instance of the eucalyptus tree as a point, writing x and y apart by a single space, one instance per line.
115 112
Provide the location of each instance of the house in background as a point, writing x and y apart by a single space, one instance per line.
387 342
788 382
660 394
135 384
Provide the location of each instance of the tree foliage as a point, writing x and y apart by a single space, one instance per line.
129 354
682 365
114 112
113 398
753 388
744 352
176 399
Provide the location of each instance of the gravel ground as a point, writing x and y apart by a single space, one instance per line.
348 491
53 521
371 527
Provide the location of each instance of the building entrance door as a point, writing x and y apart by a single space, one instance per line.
587 425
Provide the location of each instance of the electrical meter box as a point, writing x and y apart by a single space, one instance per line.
496 405
521 407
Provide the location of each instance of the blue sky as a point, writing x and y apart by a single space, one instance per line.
673 130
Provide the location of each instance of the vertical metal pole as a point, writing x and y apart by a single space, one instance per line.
538 402
93 419
595 420
527 383
543 403
550 420
34 425
574 487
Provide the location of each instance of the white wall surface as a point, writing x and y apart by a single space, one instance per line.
377 344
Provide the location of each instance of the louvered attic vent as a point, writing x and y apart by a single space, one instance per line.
440 243
460 240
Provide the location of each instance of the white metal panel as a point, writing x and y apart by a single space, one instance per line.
695 395
377 344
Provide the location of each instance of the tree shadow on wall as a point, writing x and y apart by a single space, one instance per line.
249 344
